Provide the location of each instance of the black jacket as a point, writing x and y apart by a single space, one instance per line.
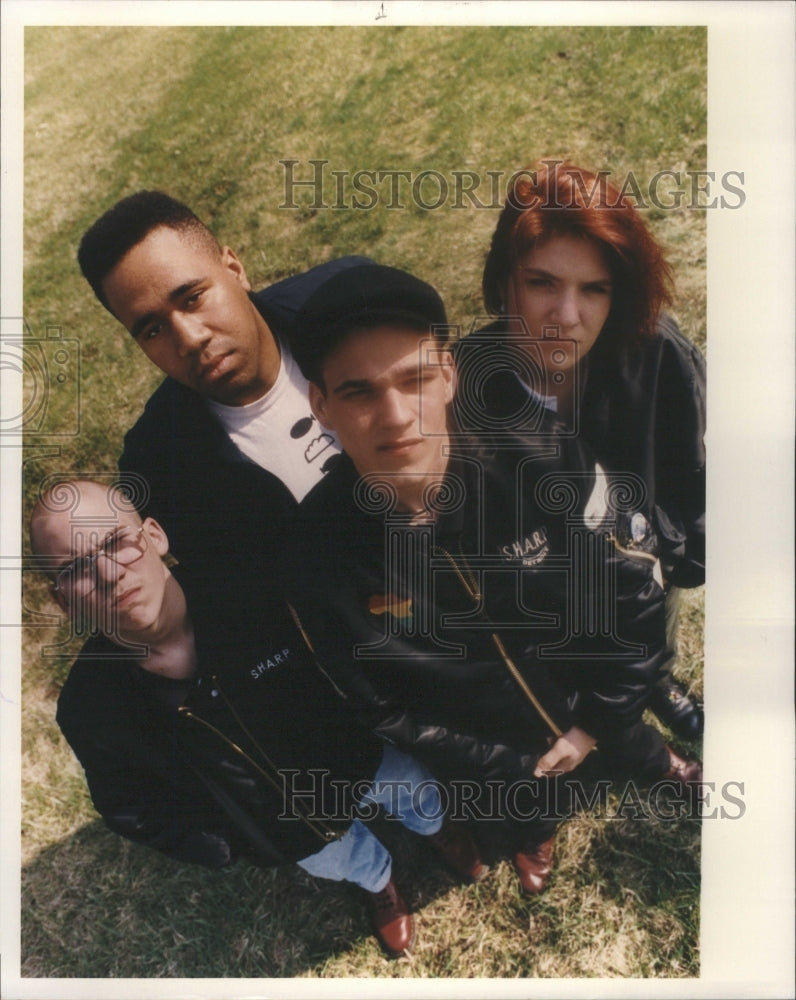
222 512
239 761
641 410
419 626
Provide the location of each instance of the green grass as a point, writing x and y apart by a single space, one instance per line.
117 911
207 113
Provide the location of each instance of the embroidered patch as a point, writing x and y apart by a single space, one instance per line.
639 528
388 604
274 659
530 550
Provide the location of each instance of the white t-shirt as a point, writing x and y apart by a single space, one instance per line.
279 432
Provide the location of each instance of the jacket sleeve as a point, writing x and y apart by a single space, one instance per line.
449 754
445 752
134 806
613 689
680 421
611 640
127 790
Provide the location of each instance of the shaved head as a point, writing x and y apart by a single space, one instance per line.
105 563
67 504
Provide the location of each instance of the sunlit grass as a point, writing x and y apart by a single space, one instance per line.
207 114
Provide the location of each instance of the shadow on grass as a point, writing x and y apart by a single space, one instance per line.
624 901
95 905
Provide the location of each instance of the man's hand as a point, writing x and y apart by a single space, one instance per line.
566 753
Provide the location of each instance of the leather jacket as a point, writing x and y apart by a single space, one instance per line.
641 409
473 641
256 757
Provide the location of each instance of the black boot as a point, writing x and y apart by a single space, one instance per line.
676 710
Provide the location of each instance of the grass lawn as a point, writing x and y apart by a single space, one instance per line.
208 114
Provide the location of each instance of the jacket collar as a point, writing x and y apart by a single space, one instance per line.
345 479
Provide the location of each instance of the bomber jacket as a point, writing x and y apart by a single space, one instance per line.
472 641
220 510
641 409
257 756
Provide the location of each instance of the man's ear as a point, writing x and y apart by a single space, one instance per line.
156 536
448 369
60 599
318 405
230 261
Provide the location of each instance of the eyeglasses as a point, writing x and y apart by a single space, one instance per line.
123 546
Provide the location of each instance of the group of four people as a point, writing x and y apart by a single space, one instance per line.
408 567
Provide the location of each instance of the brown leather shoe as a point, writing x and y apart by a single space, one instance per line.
534 865
684 772
459 851
391 920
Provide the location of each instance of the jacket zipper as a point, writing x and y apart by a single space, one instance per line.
473 592
317 826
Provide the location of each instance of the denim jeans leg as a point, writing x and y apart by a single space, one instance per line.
358 857
408 791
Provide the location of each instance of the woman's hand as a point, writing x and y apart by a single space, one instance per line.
566 753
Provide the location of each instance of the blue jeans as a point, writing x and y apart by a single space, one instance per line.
408 792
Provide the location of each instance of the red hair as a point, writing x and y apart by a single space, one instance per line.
554 198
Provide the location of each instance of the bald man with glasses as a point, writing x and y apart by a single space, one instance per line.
204 727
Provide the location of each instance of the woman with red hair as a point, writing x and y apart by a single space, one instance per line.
578 285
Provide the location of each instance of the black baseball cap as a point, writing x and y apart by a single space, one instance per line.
361 296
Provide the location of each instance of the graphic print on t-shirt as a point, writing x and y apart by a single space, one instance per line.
279 432
316 446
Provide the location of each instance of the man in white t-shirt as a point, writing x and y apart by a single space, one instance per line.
227 445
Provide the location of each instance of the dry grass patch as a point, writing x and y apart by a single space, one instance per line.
207 114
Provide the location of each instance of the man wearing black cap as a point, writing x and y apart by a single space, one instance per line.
450 582
393 407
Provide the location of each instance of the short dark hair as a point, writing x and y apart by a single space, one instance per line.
363 297
125 225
